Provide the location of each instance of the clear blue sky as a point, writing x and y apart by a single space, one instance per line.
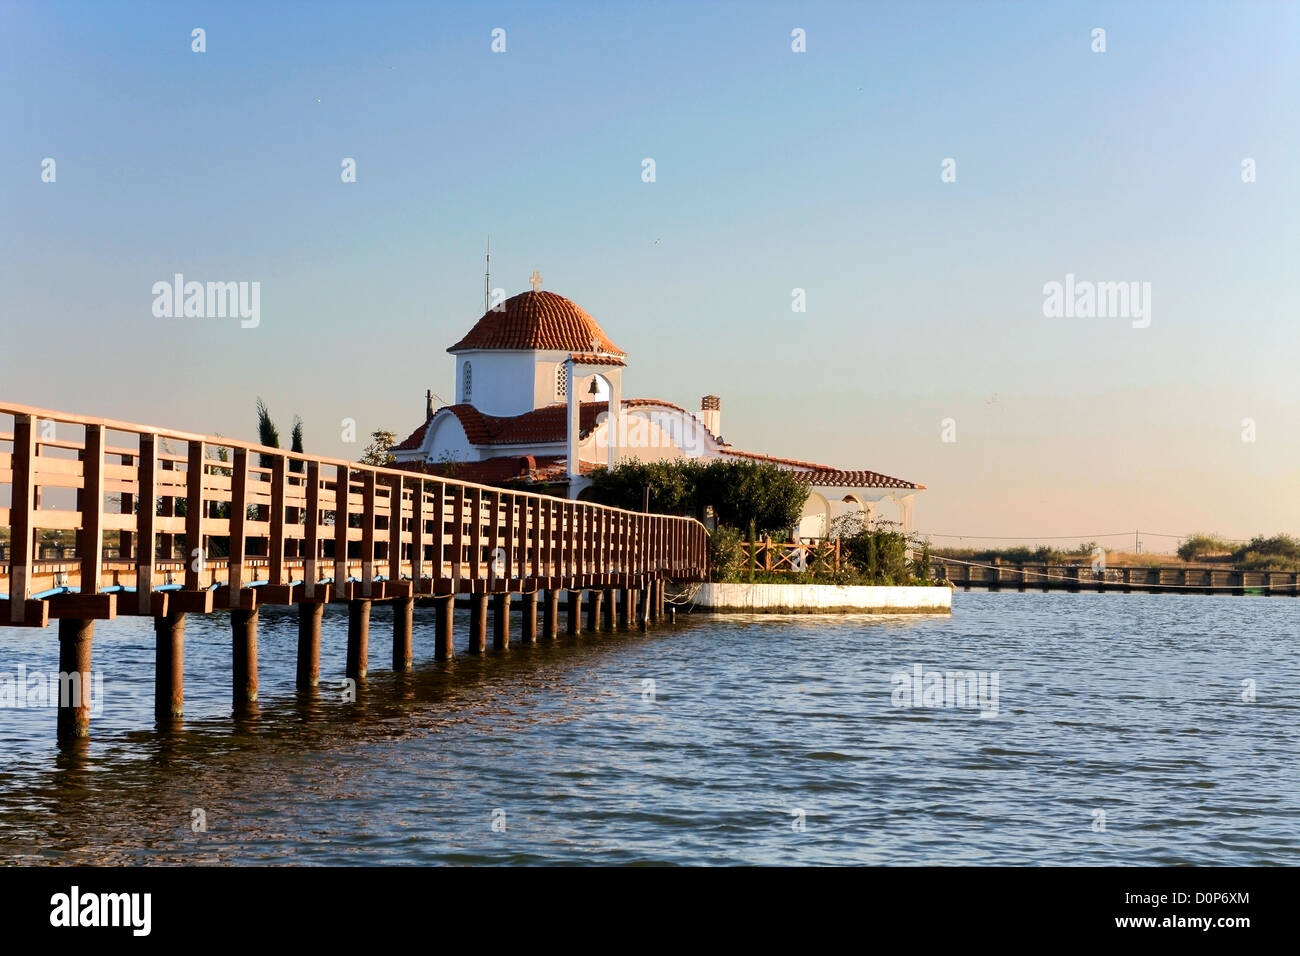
775 170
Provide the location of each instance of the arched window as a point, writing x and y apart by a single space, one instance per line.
468 388
562 380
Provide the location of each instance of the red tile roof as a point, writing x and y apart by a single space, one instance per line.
540 426
517 469
548 424
538 320
590 358
831 478
827 476
793 462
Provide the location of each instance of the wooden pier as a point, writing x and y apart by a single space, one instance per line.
207 524
1155 580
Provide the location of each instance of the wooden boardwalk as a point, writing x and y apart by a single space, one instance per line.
1175 580
261 526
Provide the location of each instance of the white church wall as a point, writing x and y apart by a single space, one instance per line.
448 440
501 382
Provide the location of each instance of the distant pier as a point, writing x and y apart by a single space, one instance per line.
1154 580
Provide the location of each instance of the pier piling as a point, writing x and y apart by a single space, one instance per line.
575 611
76 636
403 625
169 667
243 632
358 639
478 619
444 638
310 614
550 624
594 606
528 613
501 621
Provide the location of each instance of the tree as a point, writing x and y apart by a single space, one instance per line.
267 433
740 492
378 452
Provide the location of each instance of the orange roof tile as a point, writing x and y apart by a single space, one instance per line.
538 320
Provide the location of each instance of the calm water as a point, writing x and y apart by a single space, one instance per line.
1127 704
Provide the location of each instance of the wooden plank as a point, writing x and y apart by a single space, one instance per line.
22 510
511 534
195 547
342 477
396 492
91 607
146 521
457 534
367 532
439 531
475 541
419 514
276 545
239 475
311 536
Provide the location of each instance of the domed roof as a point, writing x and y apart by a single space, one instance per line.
538 320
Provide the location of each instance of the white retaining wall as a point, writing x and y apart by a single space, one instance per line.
823 599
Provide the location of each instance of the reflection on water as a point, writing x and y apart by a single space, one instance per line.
769 740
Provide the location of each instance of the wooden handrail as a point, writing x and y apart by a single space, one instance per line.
386 522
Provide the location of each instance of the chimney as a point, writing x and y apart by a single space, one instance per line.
711 414
428 405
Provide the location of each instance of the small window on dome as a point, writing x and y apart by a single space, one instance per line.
562 380
468 388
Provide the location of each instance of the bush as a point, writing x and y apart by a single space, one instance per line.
740 492
1198 546
726 556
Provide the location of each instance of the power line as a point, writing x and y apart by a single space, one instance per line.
1065 537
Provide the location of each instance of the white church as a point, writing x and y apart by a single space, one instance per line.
540 403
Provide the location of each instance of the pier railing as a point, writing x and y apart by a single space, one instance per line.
791 557
1052 577
292 527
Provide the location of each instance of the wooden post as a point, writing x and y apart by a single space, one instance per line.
91 542
358 639
367 537
626 608
196 558
310 614
76 635
311 537
651 605
169 666
243 631
275 575
575 611
146 522
551 616
611 611
342 481
238 522
403 625
501 620
444 644
594 599
643 608
528 628
22 515
478 614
